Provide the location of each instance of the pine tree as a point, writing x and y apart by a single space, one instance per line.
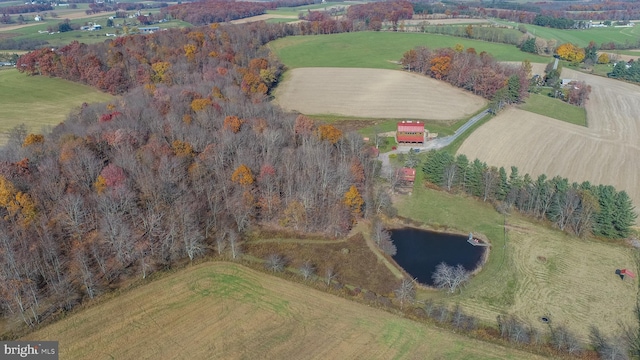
624 215
435 165
503 184
603 219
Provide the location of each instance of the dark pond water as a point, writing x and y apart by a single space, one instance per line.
420 251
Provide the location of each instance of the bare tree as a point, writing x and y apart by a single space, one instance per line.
221 242
330 275
450 174
563 340
234 245
307 270
608 349
275 263
406 292
382 238
449 277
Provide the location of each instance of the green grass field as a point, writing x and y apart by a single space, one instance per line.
554 108
39 101
620 35
377 49
87 37
227 311
532 269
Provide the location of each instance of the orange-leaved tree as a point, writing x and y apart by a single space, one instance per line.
181 148
570 52
242 175
200 104
440 66
353 200
33 139
603 58
233 123
16 202
329 133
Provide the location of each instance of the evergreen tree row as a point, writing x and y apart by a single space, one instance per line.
580 209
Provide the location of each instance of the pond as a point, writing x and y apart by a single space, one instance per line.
420 251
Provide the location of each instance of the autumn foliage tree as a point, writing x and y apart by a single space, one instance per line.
165 178
329 133
242 175
354 201
478 73
570 52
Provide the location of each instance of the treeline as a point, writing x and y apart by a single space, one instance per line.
21 44
580 209
626 71
27 8
478 73
373 14
118 65
484 33
554 22
179 167
214 11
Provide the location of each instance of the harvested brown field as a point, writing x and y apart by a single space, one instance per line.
607 152
374 93
227 311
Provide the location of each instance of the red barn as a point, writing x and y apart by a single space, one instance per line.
410 132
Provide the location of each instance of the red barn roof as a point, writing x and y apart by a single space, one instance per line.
411 126
410 132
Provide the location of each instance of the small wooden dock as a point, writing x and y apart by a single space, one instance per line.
475 241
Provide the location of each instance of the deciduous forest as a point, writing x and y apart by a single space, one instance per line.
190 157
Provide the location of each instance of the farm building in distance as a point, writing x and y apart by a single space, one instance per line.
411 132
148 29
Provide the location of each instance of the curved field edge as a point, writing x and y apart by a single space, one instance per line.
39 101
374 93
606 152
225 310
381 50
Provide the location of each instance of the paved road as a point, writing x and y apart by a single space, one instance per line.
435 144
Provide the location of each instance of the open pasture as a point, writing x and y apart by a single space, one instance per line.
39 101
374 93
227 311
606 152
582 37
555 108
534 271
381 50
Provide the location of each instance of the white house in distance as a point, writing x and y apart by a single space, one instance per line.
37 18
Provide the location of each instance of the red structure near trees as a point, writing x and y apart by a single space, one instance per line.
410 132
407 174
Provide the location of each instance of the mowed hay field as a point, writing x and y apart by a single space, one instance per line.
374 93
227 311
39 101
571 281
534 271
606 152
